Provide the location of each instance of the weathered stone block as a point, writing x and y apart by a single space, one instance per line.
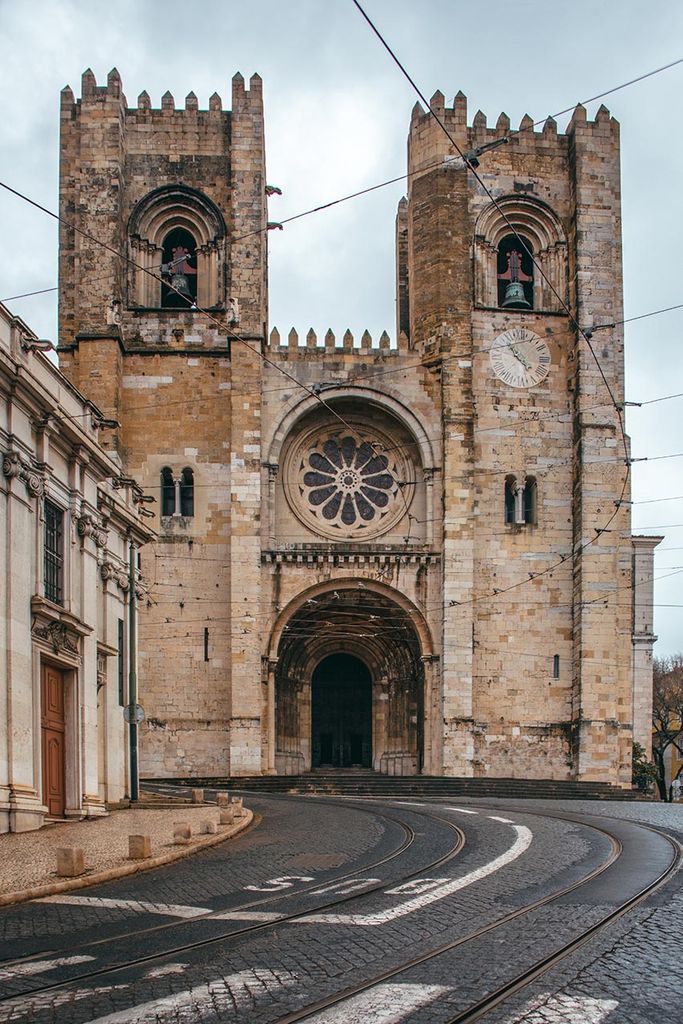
182 832
70 861
139 847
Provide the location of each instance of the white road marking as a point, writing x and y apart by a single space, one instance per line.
165 909
415 886
27 1006
346 888
506 821
521 843
161 972
460 810
549 1009
384 1004
41 966
246 915
280 884
222 996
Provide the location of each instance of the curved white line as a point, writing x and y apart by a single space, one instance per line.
521 843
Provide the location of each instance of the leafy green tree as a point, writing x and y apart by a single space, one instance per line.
667 714
644 772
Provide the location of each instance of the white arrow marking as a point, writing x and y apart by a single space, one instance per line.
384 1004
521 843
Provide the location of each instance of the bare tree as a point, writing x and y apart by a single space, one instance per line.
667 714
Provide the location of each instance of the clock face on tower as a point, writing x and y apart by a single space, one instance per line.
520 358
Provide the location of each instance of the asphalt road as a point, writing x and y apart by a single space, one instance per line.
405 912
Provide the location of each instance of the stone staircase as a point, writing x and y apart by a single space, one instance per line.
367 783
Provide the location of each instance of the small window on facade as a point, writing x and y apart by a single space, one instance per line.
179 270
510 493
187 492
530 501
556 666
53 553
167 492
515 273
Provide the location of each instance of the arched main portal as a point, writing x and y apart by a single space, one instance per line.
341 713
349 683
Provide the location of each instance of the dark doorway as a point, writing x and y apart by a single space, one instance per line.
341 712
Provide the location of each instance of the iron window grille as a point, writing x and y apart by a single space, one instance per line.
54 553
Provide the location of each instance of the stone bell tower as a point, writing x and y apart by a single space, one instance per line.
157 202
495 271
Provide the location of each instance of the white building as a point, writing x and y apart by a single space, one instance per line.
68 523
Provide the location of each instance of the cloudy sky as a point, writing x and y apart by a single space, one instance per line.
337 113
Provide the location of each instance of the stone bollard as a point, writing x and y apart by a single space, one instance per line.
139 847
237 804
70 861
209 828
182 832
222 799
227 815
197 796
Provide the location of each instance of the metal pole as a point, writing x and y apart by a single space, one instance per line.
132 677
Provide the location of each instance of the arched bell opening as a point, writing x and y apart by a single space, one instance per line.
349 686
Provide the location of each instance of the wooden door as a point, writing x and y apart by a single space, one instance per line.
52 733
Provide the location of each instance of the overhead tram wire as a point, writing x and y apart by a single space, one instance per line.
473 170
310 391
403 177
572 320
223 328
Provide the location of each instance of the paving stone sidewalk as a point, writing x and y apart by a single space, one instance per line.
28 859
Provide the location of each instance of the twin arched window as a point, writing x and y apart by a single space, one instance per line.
177 494
521 501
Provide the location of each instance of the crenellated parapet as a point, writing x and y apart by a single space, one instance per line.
93 94
429 143
314 345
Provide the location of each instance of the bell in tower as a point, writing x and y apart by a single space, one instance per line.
515 297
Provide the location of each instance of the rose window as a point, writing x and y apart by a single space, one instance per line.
347 482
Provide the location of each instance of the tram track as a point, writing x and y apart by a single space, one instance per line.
234 933
401 971
477 1010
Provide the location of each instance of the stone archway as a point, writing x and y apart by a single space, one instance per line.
361 650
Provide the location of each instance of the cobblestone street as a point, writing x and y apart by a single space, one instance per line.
413 911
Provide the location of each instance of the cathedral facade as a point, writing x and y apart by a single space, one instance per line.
408 556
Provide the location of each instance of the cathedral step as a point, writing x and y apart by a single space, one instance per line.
371 784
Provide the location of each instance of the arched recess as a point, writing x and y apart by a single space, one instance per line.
382 444
176 208
366 622
542 229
